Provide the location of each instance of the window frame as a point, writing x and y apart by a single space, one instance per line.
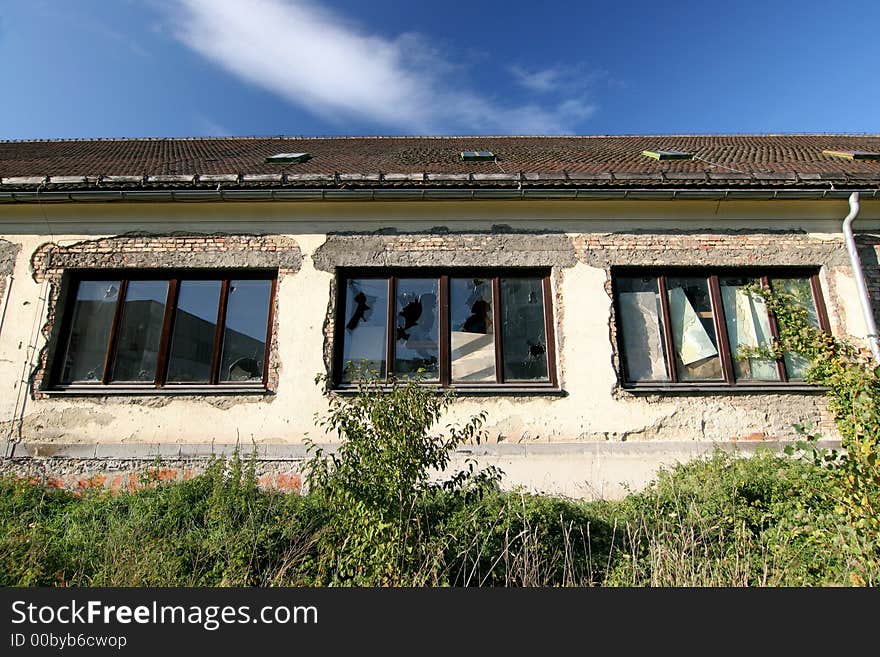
160 384
712 275
443 276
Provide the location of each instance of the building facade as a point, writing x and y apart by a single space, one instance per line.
176 298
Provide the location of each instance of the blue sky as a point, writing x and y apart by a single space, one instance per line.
152 68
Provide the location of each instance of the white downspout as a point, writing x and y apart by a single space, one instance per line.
856 264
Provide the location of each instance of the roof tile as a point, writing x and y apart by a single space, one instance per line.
719 159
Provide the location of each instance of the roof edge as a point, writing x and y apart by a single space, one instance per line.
428 194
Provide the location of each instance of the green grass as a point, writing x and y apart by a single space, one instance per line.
719 521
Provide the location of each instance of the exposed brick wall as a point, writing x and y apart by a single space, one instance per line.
163 251
869 252
133 474
499 247
740 247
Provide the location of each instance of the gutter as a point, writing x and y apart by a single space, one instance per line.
856 263
419 194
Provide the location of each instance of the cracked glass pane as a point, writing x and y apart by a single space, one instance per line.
748 327
644 347
473 330
523 333
801 293
195 325
90 326
244 334
140 330
417 350
693 330
366 321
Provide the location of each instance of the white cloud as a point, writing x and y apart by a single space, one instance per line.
542 81
207 127
316 60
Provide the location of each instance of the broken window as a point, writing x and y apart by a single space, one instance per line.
366 319
714 327
473 329
463 328
417 352
146 330
693 329
244 337
800 292
748 329
523 329
644 352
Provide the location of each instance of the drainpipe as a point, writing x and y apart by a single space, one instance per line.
856 264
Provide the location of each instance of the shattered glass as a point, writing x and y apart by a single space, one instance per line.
748 326
366 318
644 349
801 294
417 349
693 330
473 330
523 331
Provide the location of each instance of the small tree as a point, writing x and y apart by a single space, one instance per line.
386 467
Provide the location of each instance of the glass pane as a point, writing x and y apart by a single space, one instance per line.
195 323
244 338
366 318
748 326
524 342
644 347
90 327
473 332
802 295
693 330
416 333
140 329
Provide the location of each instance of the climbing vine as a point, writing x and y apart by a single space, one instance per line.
853 382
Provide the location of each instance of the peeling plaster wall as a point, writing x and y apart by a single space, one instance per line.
307 241
8 255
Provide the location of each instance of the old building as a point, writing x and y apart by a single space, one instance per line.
174 297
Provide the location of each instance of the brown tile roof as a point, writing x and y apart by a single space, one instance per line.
582 161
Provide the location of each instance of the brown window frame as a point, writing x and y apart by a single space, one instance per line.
443 275
160 384
712 274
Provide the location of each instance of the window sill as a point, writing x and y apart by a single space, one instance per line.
715 388
127 390
477 391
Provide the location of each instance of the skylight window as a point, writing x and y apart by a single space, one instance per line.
280 158
477 156
668 155
852 155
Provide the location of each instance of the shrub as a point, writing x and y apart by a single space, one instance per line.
388 467
726 520
853 380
